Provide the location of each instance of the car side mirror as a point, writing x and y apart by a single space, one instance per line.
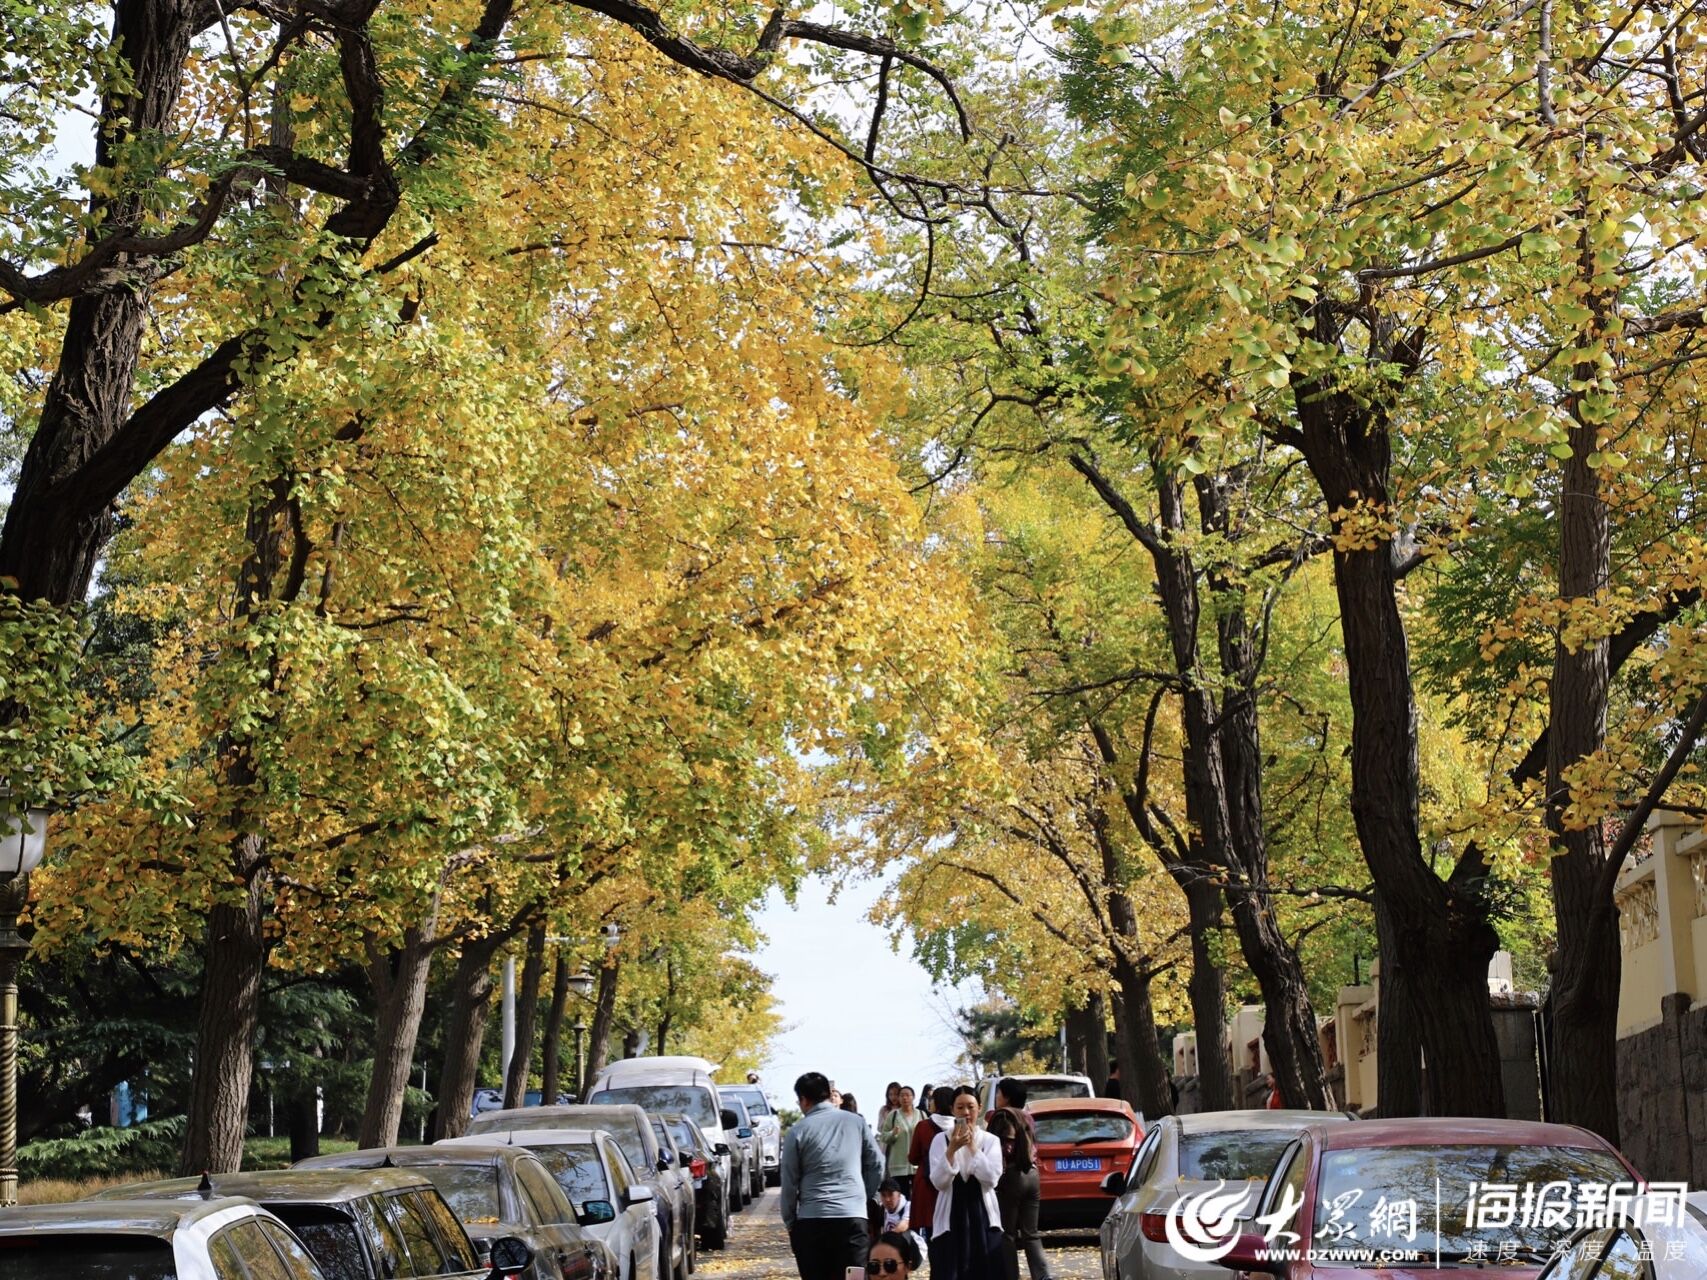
663 1162
729 1119
1114 1184
722 1148
687 1160
743 1132
594 1212
511 1255
1251 1253
639 1193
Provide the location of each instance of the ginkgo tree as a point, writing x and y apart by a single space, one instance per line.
1443 255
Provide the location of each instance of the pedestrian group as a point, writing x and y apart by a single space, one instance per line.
955 1185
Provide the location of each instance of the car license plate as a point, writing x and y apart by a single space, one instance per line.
1078 1164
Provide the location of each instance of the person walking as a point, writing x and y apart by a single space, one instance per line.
891 1100
966 1233
1020 1191
895 1135
830 1173
941 1119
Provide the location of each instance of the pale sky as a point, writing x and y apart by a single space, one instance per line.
852 1007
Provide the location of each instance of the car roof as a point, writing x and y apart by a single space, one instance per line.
275 1186
663 1062
494 1153
518 1117
532 1138
1280 1118
1420 1131
158 1218
1049 1105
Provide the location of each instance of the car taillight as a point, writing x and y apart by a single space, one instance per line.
1154 1226
697 1168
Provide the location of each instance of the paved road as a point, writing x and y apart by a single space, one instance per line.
758 1249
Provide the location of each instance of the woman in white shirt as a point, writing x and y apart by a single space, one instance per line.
966 1231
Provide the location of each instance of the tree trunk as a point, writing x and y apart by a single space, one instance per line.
604 1013
1436 937
234 961
1208 991
400 986
551 1064
1143 1081
52 538
1096 1042
465 1035
527 1019
1587 973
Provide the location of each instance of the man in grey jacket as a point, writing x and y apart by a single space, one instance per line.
830 1174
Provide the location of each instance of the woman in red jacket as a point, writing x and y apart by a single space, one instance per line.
940 1120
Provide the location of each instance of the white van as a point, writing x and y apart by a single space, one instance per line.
683 1085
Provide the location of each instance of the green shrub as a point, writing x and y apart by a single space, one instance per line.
105 1152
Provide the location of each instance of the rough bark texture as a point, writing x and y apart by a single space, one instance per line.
1143 1082
551 1055
1436 937
400 988
1587 972
234 961
471 989
527 1019
1096 1045
604 1013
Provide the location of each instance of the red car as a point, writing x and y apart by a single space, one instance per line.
1421 1198
1080 1141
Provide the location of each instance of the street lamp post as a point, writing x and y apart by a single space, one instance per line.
23 841
580 1030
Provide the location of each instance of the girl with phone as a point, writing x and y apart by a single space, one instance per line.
966 1229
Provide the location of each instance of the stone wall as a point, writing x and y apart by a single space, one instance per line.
1662 1094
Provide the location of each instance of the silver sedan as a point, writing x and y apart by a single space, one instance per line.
1180 1156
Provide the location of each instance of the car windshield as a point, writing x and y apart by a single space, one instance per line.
1237 1155
1047 1087
693 1101
1083 1126
332 1238
1492 1199
684 1134
470 1189
577 1169
754 1098
59 1257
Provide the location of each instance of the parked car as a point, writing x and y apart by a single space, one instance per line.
632 1129
710 1196
766 1123
1182 1156
747 1138
611 1203
1671 1250
1345 1179
1079 1142
493 1100
218 1239
687 1205
677 1084
496 1192
1038 1088
375 1224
